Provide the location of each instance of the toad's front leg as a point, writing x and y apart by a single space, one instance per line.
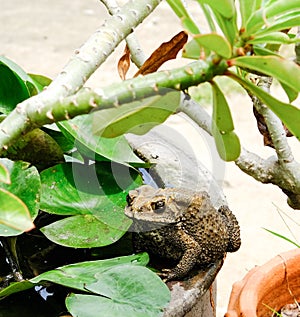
191 252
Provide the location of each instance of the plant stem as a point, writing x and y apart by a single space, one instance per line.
260 169
137 54
36 114
283 172
274 124
79 68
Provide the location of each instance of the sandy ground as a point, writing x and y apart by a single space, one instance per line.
41 35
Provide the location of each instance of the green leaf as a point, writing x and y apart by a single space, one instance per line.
273 38
266 15
16 69
228 145
97 191
137 117
192 50
80 131
37 148
289 114
228 27
12 89
64 143
125 291
225 7
74 189
227 142
259 50
40 81
78 275
15 287
283 237
14 216
75 275
4 174
83 231
216 43
284 70
280 24
221 111
189 25
209 17
178 7
24 85
246 9
291 93
279 7
25 184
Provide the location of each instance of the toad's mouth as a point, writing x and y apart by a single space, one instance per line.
141 223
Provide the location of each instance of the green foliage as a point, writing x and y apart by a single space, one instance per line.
216 43
80 132
273 15
180 10
124 291
16 85
247 47
227 142
4 174
12 89
92 196
289 114
283 237
19 197
284 70
75 188
117 287
86 195
134 117
88 198
15 217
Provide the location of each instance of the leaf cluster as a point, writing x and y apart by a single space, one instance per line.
66 170
80 170
249 48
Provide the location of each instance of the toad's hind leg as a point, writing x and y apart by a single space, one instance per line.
191 252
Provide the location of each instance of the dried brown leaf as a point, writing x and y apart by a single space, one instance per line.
124 63
165 52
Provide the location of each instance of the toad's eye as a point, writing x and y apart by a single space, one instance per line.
129 200
158 206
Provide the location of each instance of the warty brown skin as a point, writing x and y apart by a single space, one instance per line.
181 225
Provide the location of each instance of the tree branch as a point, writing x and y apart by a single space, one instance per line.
250 163
137 54
36 113
80 67
284 173
274 124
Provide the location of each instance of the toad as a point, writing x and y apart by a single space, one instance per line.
182 225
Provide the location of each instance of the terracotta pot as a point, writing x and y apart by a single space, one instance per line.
268 287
